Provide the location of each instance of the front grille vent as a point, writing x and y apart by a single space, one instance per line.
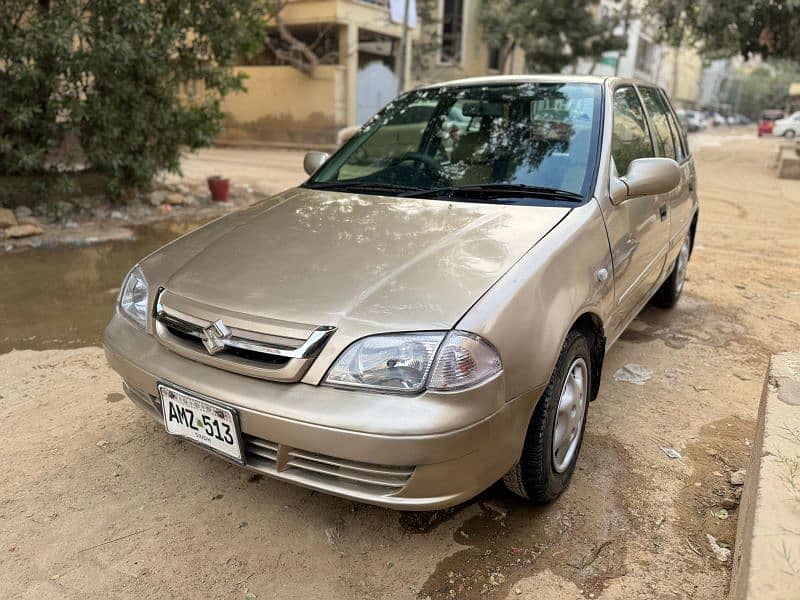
320 468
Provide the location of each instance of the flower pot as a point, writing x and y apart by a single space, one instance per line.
219 187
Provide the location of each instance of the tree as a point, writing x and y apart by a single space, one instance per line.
766 86
724 28
133 82
289 49
552 33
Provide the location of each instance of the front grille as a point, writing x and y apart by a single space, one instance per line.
256 358
235 342
313 467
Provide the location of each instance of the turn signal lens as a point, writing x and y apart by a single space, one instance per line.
464 359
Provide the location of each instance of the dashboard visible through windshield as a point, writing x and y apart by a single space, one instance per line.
534 137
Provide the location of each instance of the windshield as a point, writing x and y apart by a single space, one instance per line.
537 135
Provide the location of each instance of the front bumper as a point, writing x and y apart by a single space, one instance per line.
413 453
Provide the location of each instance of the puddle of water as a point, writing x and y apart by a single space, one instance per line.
63 297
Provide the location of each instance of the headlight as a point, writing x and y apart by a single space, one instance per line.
133 297
398 363
404 362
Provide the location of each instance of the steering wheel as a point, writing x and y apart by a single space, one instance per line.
419 157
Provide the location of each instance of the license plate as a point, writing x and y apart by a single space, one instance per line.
206 423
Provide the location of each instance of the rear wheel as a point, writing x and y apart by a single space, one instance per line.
669 293
790 133
555 432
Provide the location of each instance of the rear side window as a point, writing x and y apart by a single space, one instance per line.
678 135
630 138
678 131
659 120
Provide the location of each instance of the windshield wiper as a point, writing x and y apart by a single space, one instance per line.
498 190
365 186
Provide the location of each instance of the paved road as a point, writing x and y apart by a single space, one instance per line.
95 500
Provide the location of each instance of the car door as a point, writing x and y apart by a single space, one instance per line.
638 228
670 145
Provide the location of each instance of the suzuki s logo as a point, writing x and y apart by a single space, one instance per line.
214 336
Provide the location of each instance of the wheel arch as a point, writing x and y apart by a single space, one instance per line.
591 325
693 231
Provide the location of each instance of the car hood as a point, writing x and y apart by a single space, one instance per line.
319 257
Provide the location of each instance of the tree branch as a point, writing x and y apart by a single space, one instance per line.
297 54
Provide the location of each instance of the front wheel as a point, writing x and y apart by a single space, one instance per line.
669 293
790 133
555 432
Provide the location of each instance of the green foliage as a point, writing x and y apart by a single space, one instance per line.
133 83
765 87
553 33
724 28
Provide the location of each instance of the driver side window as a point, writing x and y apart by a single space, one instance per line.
630 138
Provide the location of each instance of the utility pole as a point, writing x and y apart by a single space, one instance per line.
401 80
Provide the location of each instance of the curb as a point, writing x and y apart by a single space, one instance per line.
766 561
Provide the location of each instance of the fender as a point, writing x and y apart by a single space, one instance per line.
543 295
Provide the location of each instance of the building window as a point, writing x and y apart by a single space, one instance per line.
494 59
452 30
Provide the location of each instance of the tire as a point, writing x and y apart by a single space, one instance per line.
789 134
669 293
540 475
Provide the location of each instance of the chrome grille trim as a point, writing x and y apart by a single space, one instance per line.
272 357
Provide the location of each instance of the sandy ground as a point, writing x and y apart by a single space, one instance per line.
266 170
97 501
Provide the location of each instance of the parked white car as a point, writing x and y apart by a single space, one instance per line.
788 127
692 120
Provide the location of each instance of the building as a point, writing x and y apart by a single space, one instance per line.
642 56
714 81
451 44
681 74
357 43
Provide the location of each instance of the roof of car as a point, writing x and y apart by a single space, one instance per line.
510 79
495 79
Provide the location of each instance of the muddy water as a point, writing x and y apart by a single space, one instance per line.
62 297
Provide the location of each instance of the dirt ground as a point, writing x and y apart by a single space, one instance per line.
97 501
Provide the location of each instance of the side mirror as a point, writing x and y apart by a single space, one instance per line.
314 160
646 177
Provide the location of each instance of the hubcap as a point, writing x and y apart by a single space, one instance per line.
680 267
569 415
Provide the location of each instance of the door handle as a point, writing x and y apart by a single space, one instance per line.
662 212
